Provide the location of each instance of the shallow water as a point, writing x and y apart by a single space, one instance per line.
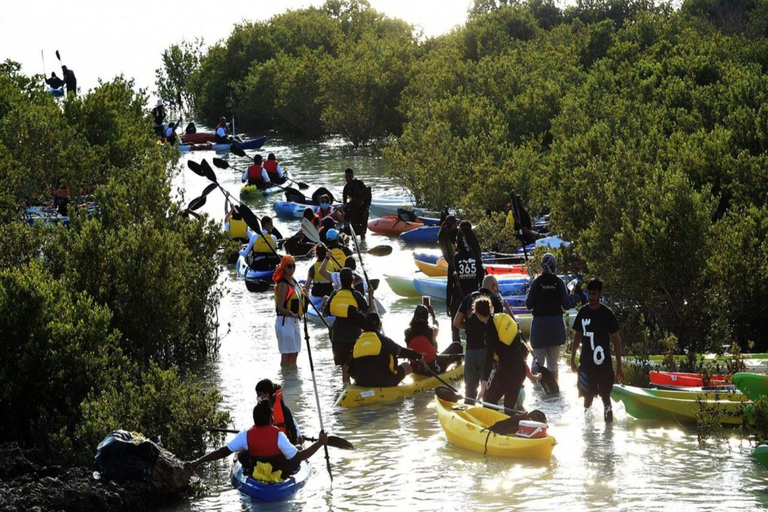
403 460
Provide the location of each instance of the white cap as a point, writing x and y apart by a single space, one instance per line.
160 103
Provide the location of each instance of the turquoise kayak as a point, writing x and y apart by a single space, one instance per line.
754 385
435 287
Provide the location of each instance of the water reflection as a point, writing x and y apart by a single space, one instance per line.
403 460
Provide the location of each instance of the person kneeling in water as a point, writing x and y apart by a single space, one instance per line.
263 442
374 357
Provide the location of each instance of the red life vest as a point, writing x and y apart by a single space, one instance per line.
271 167
254 173
277 412
262 441
424 346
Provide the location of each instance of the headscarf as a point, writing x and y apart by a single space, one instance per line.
548 264
280 270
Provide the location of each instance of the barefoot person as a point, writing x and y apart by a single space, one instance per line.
289 305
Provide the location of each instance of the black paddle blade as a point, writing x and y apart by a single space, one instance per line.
236 150
249 217
196 203
208 171
210 188
220 163
447 394
257 285
548 381
338 442
380 250
303 186
58 56
195 167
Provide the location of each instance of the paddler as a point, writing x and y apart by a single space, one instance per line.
265 443
281 414
374 357
222 132
274 170
256 175
345 332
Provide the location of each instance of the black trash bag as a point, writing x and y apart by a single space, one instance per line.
123 456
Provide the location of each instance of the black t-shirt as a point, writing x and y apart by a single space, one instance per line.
496 301
596 327
468 266
345 330
475 330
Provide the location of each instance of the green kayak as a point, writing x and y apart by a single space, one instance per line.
761 454
751 384
652 404
402 286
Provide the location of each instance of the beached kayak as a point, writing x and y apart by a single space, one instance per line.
355 396
435 287
686 380
402 286
270 491
754 385
440 268
466 426
423 235
654 404
388 205
392 225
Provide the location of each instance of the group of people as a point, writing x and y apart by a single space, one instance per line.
68 79
264 174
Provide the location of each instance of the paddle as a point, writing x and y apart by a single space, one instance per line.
257 285
450 395
197 202
334 441
58 56
45 73
300 184
314 384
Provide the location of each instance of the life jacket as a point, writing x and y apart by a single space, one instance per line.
506 327
339 258
254 173
341 301
277 412
263 243
423 345
262 441
321 214
368 345
318 277
271 167
293 302
238 229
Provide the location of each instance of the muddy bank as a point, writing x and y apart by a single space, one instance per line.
28 483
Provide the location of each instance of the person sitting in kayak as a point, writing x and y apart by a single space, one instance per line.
345 332
373 362
263 442
222 132
326 224
256 175
327 210
281 414
170 133
269 227
335 277
337 253
236 227
422 337
54 82
260 252
274 170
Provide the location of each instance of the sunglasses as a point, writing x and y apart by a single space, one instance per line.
290 265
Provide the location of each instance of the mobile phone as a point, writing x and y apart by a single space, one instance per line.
425 300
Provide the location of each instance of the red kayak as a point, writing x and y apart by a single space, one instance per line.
687 380
198 138
393 225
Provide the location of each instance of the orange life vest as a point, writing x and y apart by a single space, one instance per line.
277 412
262 441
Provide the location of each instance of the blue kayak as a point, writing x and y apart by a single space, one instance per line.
295 210
423 235
435 287
270 491
244 271
246 144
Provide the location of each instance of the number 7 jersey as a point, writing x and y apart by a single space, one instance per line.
596 327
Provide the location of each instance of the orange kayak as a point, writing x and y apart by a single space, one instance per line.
392 225
687 380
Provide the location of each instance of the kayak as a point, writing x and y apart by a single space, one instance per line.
56 93
435 287
388 205
761 454
270 491
244 271
422 235
295 210
650 404
465 426
753 385
440 268
402 286
686 380
392 225
198 138
246 144
355 396
252 191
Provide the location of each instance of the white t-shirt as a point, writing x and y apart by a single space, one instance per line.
240 444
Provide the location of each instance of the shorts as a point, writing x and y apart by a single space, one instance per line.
288 332
342 353
596 382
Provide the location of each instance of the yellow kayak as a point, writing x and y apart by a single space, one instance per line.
355 396
464 425
433 270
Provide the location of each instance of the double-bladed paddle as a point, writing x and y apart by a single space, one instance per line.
335 441
449 394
